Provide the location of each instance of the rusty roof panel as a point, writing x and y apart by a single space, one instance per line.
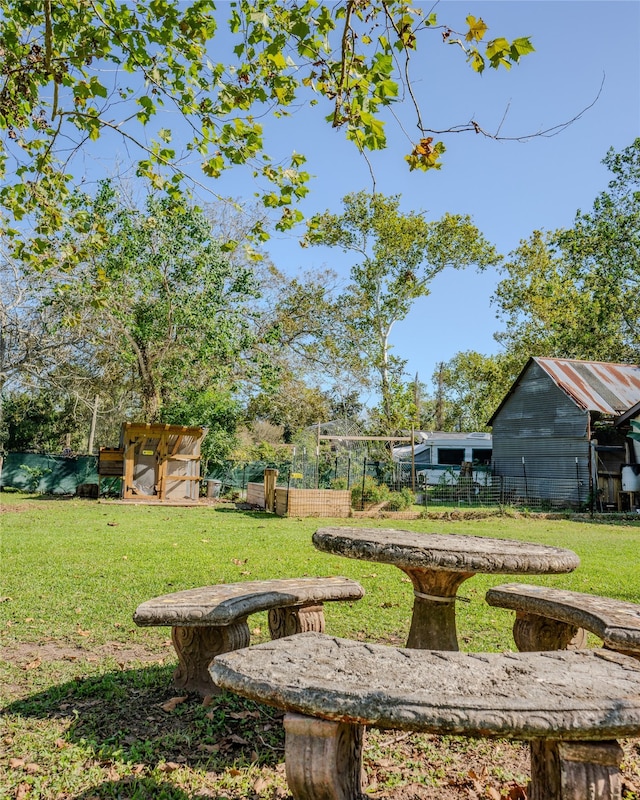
595 385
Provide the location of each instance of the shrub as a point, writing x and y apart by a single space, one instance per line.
369 492
34 475
401 501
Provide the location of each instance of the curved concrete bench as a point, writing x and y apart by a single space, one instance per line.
571 705
213 619
553 619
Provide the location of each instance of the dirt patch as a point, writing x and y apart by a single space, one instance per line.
21 654
17 507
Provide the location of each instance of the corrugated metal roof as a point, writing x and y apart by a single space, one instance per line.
629 414
595 385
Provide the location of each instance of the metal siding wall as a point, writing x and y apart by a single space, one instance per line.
540 423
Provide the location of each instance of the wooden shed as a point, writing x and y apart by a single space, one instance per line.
159 462
555 429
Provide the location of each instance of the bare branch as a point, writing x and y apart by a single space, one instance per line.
554 130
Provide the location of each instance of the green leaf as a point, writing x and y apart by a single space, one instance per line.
522 46
497 49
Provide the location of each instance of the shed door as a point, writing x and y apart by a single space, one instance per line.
142 467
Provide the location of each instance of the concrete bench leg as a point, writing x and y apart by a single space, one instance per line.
323 759
533 633
575 770
296 619
197 646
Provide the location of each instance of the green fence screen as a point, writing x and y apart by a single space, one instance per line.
35 472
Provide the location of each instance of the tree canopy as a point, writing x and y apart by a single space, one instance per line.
397 256
162 298
575 293
569 293
75 73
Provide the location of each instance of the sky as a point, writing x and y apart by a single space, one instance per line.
585 50
586 68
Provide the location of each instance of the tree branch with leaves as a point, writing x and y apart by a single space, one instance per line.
73 74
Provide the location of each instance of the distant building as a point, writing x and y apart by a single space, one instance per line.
439 456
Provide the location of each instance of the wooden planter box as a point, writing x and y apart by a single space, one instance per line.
313 502
255 494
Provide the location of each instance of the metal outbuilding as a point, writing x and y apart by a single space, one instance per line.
556 425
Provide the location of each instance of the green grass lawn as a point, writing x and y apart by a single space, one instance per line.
83 687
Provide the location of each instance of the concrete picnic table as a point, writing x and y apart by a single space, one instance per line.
437 564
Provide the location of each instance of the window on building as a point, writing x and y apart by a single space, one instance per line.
451 456
481 456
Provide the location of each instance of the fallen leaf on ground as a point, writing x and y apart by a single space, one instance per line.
22 791
33 664
241 714
16 763
209 748
517 792
260 785
493 793
208 700
169 766
171 705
